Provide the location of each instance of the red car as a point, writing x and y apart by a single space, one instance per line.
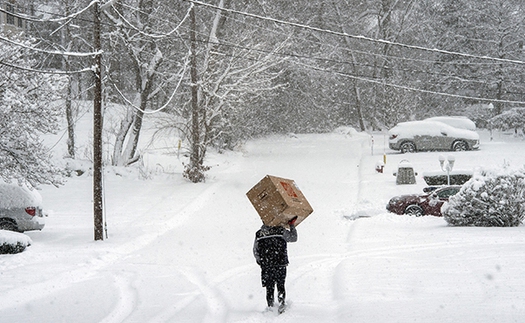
428 203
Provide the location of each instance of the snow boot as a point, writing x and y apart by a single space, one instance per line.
282 303
269 296
282 308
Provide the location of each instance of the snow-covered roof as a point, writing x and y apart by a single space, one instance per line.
410 129
12 195
455 121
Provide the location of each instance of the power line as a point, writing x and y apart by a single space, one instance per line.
134 28
364 79
333 61
179 25
63 18
28 69
381 41
52 52
368 53
75 16
408 88
382 82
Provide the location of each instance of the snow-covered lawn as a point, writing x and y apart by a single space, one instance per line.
182 252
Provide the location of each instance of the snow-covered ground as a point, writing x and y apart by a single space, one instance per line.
182 252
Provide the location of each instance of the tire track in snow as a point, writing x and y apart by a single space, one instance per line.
309 266
208 290
127 300
91 268
216 306
358 195
333 260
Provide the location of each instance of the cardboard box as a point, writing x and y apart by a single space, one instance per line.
277 200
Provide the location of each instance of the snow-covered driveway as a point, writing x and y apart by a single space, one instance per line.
181 252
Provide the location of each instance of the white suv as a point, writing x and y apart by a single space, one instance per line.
20 208
413 136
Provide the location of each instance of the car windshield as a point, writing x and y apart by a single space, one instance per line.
446 193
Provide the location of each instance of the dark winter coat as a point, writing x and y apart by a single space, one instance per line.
270 245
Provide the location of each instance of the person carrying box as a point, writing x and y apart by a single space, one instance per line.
271 253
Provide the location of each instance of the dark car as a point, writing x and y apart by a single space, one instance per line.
428 203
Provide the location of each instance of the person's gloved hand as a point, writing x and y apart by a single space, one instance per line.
292 220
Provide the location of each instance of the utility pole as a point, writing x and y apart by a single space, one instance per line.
97 129
195 129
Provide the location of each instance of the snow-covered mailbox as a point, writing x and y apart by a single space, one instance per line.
405 173
277 200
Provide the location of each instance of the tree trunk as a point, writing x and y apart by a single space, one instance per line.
193 172
125 125
133 140
147 58
355 83
70 115
97 131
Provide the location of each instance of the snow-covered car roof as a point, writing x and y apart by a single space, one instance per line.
410 129
12 196
455 121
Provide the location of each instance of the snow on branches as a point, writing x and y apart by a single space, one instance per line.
26 112
510 119
492 198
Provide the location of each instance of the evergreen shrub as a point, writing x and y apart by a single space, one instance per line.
13 242
11 248
492 198
441 179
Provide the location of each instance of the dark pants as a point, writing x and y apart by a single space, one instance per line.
271 276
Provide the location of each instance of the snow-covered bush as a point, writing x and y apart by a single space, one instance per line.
13 242
491 198
439 178
347 131
510 119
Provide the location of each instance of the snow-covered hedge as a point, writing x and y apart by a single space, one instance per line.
440 178
13 242
491 198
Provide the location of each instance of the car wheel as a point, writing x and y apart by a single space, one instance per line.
8 225
408 147
460 146
414 210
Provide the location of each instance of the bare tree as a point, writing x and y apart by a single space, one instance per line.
145 47
484 28
229 78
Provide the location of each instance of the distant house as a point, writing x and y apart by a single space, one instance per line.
10 21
